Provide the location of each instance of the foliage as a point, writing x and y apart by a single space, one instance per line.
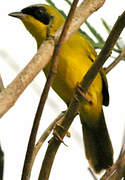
100 41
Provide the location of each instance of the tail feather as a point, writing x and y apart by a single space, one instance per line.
98 147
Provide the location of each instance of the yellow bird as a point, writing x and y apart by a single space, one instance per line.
76 57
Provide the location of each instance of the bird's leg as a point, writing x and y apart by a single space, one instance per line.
84 96
59 127
59 124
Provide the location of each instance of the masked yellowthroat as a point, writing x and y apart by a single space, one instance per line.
76 57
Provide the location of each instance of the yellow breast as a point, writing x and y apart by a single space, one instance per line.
75 59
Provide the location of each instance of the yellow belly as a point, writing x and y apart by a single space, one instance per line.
74 61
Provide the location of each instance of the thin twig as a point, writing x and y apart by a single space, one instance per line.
43 138
118 168
74 105
120 173
1 84
9 95
1 163
115 62
46 134
123 145
92 174
80 16
50 79
117 171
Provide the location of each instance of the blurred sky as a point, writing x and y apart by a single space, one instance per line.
17 47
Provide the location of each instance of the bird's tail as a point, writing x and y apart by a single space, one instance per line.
98 147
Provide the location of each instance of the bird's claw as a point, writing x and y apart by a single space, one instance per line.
85 96
56 134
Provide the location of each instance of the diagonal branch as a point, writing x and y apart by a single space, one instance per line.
1 84
115 62
44 137
86 8
1 163
92 174
9 95
50 79
74 105
117 171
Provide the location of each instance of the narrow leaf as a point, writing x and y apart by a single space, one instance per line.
95 33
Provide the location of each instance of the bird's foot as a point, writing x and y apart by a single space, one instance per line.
83 96
56 134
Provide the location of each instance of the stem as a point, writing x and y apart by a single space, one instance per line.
43 138
115 62
50 79
1 163
1 84
117 171
92 174
11 93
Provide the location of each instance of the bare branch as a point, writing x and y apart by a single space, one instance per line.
74 105
50 79
43 138
115 62
117 171
86 8
1 163
93 175
10 94
1 84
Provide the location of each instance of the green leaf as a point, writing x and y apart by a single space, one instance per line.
88 37
69 2
106 25
95 33
100 42
51 3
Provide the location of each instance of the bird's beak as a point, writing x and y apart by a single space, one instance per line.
16 14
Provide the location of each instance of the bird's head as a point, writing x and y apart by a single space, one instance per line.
37 17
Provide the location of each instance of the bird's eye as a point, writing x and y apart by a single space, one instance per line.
38 13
